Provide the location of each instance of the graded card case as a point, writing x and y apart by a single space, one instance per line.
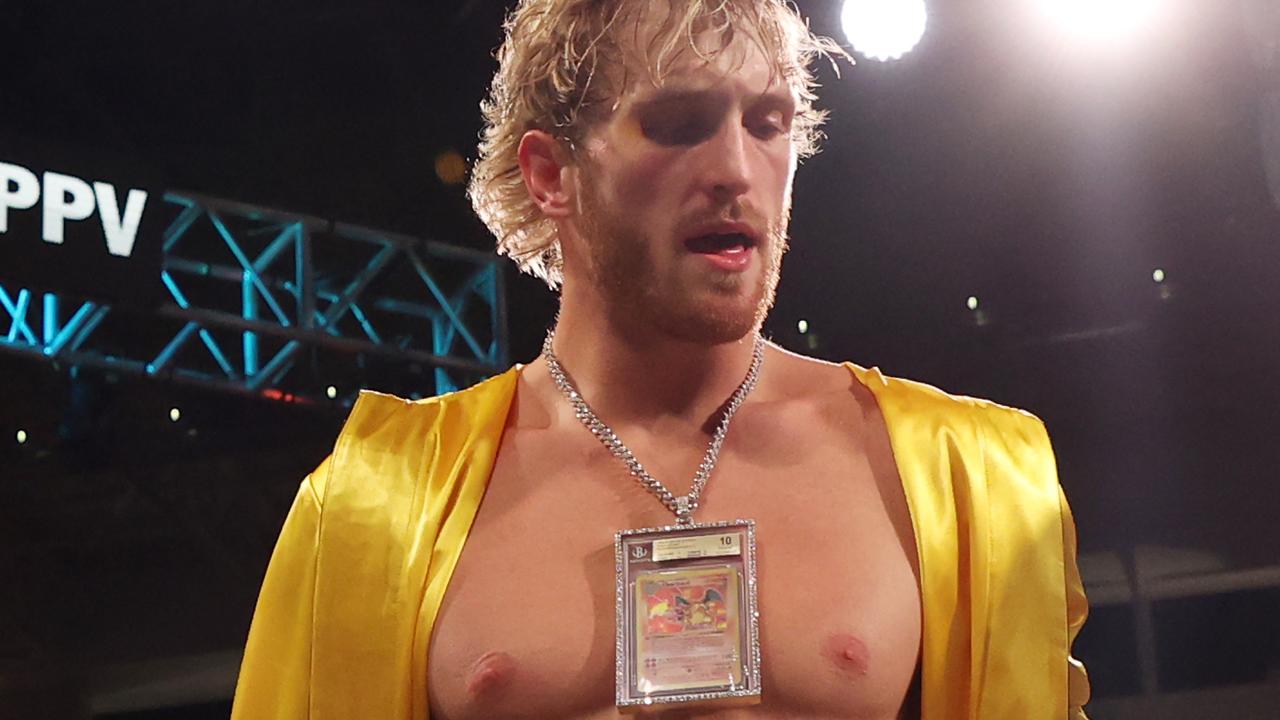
687 631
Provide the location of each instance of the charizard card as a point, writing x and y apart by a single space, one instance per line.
687 630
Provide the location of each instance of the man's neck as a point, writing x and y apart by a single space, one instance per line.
634 375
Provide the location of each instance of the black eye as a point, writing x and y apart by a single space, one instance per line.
771 125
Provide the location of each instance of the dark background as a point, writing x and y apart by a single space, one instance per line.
1049 179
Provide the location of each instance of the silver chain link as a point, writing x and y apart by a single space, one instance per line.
684 505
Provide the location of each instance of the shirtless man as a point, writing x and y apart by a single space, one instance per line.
640 156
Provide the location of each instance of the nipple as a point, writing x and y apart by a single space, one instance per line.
848 653
490 673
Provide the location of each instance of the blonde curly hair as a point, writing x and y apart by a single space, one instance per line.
557 73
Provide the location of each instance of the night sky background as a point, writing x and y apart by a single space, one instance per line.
997 160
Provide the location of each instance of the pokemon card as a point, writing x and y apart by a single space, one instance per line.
687 632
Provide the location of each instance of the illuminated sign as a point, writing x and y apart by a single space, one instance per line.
68 198
70 224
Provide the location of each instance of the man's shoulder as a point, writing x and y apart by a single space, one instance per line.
383 425
920 416
385 436
923 398
897 398
376 413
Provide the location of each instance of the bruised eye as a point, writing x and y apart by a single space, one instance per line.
772 124
679 126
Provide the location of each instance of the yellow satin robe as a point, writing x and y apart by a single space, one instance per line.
347 606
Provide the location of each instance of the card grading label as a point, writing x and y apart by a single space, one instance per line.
697 546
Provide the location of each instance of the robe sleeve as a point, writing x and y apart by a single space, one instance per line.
1077 610
275 673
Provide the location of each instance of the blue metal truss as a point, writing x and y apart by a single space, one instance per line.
253 291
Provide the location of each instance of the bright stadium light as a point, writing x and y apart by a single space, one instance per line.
1104 20
883 29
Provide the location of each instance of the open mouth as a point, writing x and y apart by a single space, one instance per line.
726 251
720 243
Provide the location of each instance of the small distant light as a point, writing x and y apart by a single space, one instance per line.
451 168
175 414
972 302
22 437
803 326
331 392
1157 275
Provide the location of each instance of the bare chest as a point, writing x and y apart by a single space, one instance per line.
526 629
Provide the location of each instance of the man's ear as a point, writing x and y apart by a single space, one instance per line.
542 164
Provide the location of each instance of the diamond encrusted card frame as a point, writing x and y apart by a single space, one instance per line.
687 617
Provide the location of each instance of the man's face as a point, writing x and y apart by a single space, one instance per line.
684 195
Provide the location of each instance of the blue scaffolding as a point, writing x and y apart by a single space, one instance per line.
252 291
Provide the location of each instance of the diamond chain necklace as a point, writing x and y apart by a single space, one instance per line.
684 505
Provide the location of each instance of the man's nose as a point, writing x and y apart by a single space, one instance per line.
728 174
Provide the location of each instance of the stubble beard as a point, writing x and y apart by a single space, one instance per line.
637 296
